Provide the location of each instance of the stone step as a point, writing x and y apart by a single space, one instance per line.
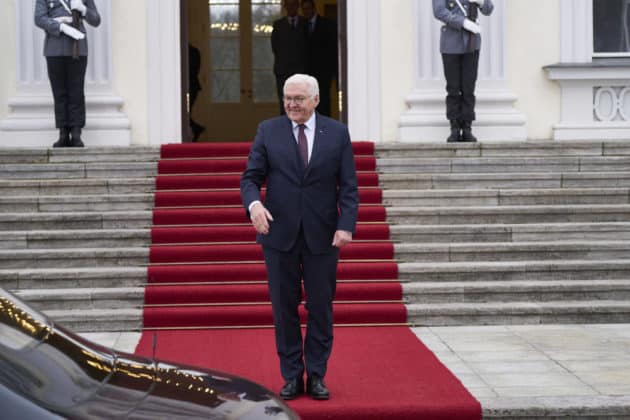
97 320
75 186
516 291
514 251
66 278
422 181
76 220
84 298
616 231
88 238
508 214
99 169
514 271
504 149
71 203
74 257
478 165
501 197
508 313
87 154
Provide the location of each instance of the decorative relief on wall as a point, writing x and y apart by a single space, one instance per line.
611 103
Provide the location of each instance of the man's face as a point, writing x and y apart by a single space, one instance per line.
291 6
308 10
298 105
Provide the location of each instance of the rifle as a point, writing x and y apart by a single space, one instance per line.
473 14
76 23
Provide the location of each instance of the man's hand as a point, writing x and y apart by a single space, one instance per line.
471 26
342 238
260 217
78 5
479 2
71 32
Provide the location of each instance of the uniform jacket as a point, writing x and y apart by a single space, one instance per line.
56 42
289 47
322 197
454 39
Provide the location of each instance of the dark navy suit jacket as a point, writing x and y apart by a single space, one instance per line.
322 197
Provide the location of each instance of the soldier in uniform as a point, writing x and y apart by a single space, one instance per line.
460 41
65 49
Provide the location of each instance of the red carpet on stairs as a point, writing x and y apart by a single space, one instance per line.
207 302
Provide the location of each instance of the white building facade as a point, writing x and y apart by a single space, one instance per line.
547 72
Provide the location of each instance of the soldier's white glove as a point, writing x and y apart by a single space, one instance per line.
479 2
471 26
78 5
71 32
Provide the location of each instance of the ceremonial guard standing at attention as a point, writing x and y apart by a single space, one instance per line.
66 50
460 41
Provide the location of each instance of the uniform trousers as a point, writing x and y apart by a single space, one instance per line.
285 270
67 79
460 71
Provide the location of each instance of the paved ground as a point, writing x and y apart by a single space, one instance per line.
568 371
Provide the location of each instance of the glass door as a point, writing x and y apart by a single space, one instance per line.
236 72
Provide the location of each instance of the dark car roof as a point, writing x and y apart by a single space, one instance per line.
60 372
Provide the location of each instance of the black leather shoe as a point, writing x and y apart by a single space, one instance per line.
76 137
316 388
292 389
64 138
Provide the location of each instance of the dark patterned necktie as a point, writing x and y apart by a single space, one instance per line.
303 144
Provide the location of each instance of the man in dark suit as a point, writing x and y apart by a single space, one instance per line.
321 57
309 213
66 50
288 44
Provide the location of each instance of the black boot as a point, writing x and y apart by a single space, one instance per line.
76 137
467 134
455 133
64 138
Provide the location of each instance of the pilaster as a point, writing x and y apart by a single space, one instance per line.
30 121
425 120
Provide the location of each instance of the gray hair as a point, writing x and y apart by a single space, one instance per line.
303 79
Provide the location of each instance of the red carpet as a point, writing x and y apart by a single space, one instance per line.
207 298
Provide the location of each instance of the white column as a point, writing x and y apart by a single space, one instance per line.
425 120
164 78
31 116
364 69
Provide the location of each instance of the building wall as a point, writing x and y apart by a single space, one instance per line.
397 63
533 41
129 63
7 52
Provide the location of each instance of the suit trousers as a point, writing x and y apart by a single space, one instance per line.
460 71
280 79
285 271
67 79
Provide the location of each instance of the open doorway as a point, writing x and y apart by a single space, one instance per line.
229 64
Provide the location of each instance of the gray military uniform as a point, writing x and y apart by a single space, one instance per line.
460 57
454 39
48 16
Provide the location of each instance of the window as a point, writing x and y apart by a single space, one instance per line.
611 28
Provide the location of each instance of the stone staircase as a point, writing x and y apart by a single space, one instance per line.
534 232
74 232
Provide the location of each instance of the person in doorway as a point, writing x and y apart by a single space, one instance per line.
288 44
309 213
321 57
194 86
66 50
460 40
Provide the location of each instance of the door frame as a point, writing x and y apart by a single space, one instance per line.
187 136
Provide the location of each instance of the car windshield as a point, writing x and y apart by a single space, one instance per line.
21 327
